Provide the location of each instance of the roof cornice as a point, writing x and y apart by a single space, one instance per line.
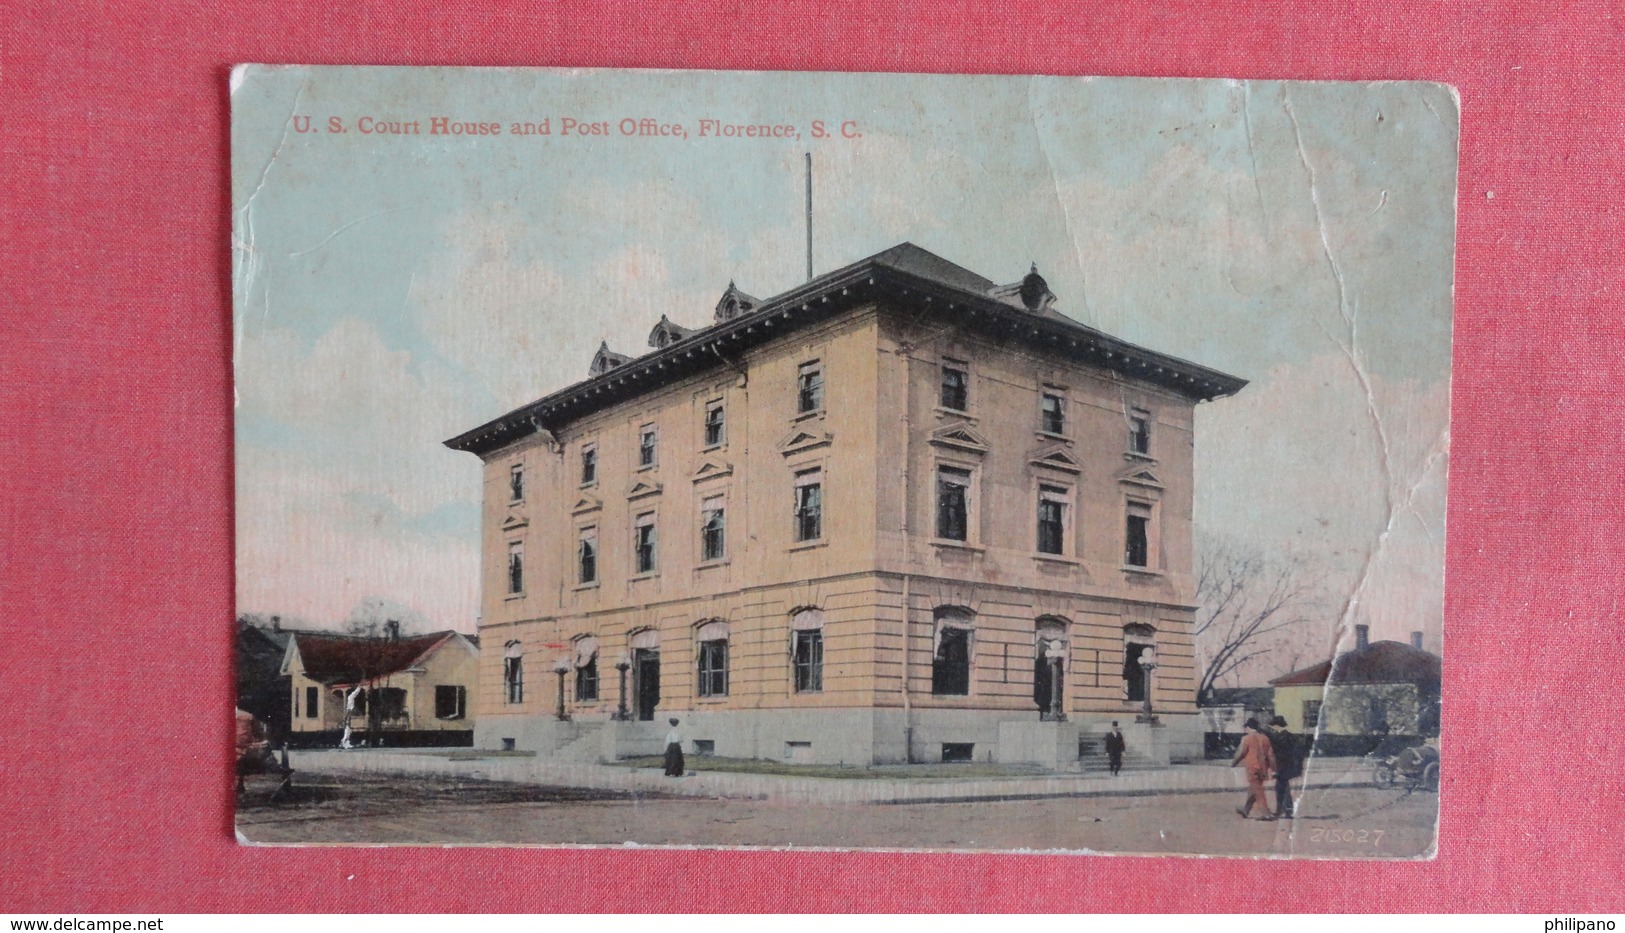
868 280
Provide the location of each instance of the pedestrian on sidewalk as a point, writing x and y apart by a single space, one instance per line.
1288 765
1115 746
674 751
1258 758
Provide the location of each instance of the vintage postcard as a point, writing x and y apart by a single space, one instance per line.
841 460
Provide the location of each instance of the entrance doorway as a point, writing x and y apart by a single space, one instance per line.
646 681
1046 673
1133 673
1049 656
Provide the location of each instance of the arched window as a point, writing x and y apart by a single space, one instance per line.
713 654
951 651
586 664
807 650
513 672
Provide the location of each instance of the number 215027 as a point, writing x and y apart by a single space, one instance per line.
1368 836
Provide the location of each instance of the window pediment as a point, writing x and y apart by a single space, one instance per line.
712 468
515 519
1140 475
643 488
1055 457
586 504
803 438
960 436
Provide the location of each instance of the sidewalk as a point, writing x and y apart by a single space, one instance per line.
1178 779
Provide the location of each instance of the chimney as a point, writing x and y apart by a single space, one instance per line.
276 623
1416 640
392 630
1362 637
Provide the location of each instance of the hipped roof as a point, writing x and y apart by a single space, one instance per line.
924 280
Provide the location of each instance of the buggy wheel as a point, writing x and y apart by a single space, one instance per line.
1383 775
1430 776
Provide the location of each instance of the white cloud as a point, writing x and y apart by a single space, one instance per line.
340 504
1294 465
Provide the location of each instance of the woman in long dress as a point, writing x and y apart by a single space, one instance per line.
674 751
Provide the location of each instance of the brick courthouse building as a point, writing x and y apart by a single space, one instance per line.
897 513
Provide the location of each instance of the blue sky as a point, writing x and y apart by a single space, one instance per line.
395 290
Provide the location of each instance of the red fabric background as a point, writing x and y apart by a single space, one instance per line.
116 590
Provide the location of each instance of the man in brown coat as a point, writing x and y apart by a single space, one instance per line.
1258 758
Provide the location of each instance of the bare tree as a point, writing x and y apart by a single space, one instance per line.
1250 606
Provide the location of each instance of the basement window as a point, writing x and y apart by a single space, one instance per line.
958 751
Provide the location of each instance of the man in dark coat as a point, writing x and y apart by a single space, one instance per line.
1115 746
1288 764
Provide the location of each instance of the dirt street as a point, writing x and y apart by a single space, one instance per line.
1339 822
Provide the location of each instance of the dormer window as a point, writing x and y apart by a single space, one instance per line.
734 303
605 360
666 333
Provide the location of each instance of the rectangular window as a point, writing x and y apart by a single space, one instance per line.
809 661
1053 414
643 543
450 701
715 426
516 483
312 699
587 554
713 529
950 668
1051 520
589 465
809 505
587 680
646 446
810 388
714 668
953 503
955 387
1137 548
513 678
391 703
1376 715
1311 715
516 568
1139 432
